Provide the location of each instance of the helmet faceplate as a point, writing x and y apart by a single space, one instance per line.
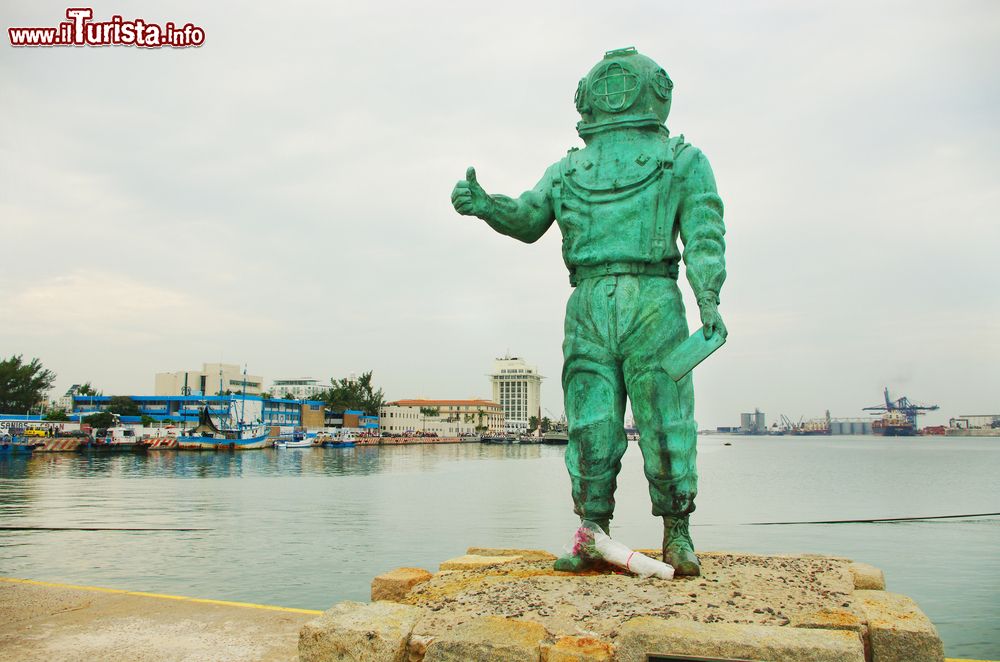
624 89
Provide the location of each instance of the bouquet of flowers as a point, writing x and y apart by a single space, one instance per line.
584 545
591 542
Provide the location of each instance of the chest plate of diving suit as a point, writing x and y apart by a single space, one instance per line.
617 207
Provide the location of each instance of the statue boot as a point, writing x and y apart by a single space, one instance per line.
572 562
678 549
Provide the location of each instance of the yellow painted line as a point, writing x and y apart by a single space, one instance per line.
163 596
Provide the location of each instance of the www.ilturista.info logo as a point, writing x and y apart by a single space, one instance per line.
80 30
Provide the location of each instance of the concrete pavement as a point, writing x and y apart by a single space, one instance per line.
42 621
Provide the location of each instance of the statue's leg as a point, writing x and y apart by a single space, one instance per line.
664 414
594 392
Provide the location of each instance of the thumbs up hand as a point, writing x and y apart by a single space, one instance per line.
469 198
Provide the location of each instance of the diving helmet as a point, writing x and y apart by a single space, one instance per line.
625 89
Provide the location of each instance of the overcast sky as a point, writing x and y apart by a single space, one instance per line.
280 196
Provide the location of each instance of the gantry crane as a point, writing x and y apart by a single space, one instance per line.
903 406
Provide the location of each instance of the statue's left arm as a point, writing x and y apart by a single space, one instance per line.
703 235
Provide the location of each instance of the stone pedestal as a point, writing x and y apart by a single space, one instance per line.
497 604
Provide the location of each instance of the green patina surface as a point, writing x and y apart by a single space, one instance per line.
622 202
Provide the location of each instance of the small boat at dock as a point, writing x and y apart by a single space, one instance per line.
498 439
297 440
343 439
118 439
19 445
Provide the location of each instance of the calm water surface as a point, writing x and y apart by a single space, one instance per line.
311 527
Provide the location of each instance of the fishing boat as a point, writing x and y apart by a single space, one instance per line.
343 439
235 434
207 436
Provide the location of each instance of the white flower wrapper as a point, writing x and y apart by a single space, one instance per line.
618 554
591 542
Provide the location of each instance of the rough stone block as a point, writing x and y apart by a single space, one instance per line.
492 639
897 630
526 554
357 631
831 619
647 634
577 649
476 562
867 577
395 584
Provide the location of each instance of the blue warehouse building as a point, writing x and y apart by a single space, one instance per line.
186 408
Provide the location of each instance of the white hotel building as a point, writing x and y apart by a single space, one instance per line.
518 388
298 388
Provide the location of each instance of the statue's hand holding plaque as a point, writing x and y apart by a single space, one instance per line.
691 352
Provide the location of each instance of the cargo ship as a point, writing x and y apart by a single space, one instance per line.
894 424
899 417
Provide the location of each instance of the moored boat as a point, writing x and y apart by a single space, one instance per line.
297 440
498 439
19 445
207 436
343 439
118 439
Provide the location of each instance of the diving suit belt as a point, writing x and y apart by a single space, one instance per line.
580 273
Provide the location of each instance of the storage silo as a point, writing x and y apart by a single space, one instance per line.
759 424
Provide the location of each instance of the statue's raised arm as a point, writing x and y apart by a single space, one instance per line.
526 218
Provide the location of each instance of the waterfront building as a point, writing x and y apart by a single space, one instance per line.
975 421
212 379
447 418
298 388
358 420
518 388
185 409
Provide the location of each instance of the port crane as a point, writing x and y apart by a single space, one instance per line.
903 406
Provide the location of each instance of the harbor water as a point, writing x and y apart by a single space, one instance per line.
310 527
